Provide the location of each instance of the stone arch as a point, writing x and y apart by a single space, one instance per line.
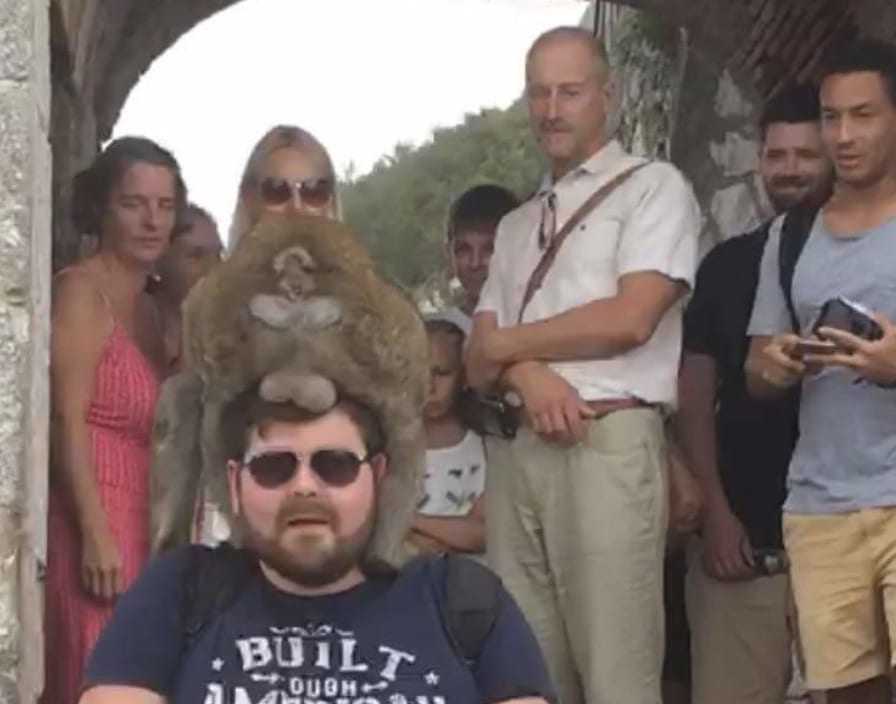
101 48
766 41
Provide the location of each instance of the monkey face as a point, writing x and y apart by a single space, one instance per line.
295 267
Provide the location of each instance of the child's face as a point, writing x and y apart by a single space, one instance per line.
445 375
471 250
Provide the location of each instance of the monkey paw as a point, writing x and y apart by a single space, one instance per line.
279 312
312 392
276 311
320 312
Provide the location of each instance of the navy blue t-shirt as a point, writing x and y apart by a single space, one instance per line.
382 642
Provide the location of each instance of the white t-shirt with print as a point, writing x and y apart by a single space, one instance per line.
455 478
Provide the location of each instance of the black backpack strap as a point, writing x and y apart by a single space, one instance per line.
472 604
213 578
795 229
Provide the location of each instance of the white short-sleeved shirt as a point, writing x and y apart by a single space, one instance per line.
649 223
455 478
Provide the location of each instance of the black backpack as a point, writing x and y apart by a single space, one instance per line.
214 578
795 230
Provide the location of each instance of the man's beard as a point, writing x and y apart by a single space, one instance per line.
314 560
783 197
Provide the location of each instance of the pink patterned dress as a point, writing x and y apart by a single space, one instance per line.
119 420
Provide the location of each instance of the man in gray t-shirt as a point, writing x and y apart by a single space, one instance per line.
840 514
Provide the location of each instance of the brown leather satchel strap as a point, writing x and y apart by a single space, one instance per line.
550 252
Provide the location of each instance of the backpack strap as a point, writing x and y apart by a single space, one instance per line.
213 578
796 225
472 604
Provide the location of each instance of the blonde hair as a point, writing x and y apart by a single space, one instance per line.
279 137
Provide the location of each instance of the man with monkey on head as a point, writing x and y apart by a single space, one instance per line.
311 375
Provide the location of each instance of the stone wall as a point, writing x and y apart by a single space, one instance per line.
715 142
24 311
675 102
104 46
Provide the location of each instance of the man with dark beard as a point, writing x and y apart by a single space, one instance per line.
313 620
739 448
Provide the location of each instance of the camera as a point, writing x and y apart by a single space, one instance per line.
842 314
767 563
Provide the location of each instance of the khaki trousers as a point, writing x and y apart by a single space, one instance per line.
577 534
741 637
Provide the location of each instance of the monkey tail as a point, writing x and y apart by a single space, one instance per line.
397 500
175 461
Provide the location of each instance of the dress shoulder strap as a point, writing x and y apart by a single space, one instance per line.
69 270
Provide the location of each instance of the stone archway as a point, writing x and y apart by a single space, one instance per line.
101 48
82 57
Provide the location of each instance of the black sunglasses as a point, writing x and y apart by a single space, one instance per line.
273 468
315 192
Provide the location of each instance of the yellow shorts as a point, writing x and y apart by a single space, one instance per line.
843 570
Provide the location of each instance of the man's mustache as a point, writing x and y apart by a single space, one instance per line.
301 508
791 181
555 125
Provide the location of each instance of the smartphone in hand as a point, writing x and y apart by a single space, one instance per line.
842 314
813 347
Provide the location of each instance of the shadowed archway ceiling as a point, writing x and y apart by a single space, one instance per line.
101 47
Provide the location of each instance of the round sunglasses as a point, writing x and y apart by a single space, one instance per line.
273 468
313 192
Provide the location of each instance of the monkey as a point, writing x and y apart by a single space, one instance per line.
299 309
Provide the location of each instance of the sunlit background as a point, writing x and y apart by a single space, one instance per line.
361 75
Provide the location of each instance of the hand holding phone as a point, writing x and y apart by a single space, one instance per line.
806 347
867 341
842 314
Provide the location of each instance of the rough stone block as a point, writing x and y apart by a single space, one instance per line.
9 614
15 38
735 208
735 155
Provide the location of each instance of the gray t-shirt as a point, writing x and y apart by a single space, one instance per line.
845 458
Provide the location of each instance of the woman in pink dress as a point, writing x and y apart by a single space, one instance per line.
107 361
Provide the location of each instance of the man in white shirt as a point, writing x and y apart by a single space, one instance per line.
576 503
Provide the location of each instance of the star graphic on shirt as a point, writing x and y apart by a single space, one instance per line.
217 664
432 679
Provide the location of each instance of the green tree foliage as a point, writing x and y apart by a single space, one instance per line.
399 208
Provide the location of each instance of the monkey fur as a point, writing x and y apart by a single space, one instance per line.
299 308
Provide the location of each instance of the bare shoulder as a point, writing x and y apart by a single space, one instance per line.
82 319
76 291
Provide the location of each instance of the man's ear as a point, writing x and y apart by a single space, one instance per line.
233 483
380 465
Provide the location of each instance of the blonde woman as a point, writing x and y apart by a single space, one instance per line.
289 170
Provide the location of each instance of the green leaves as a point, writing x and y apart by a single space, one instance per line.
400 207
